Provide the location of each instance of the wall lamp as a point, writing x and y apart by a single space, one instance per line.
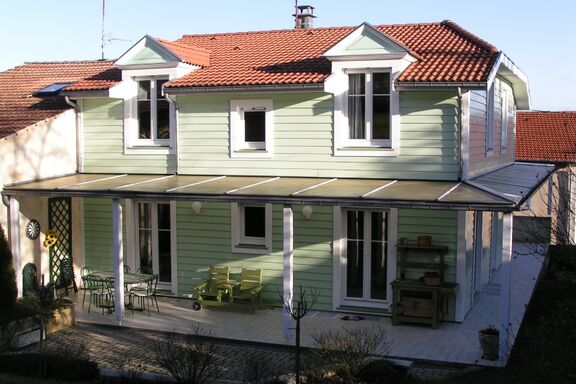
307 212
196 207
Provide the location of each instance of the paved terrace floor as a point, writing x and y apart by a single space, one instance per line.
449 343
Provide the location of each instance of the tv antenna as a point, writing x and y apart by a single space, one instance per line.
106 38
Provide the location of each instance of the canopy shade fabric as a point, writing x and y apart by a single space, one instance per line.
502 190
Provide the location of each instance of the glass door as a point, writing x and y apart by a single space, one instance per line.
366 259
154 240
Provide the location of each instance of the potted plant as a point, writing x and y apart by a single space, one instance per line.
489 342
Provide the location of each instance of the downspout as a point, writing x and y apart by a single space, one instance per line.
461 173
79 157
172 101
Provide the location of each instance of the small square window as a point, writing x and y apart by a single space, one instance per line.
251 228
251 128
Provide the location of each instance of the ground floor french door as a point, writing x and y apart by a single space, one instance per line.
154 237
368 267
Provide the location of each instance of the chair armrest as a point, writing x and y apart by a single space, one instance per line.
200 287
256 290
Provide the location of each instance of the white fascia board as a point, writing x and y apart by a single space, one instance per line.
505 68
334 53
138 47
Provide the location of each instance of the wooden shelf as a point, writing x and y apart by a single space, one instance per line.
413 300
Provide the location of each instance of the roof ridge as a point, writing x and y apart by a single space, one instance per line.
470 36
267 31
69 61
183 45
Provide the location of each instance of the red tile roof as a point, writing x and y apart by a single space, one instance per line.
19 108
446 53
546 136
188 53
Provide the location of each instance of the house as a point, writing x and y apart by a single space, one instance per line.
548 137
38 141
345 159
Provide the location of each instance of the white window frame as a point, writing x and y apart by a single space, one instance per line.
340 249
337 84
244 244
134 247
239 147
368 112
504 121
128 91
490 120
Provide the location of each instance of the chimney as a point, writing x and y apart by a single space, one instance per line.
304 16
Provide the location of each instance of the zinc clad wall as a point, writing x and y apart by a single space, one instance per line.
103 142
303 138
482 161
204 240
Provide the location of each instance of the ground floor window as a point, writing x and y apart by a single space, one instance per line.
251 228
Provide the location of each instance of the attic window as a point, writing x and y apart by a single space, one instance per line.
52 89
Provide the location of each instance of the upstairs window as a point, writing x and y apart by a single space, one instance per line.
153 111
504 121
251 128
369 109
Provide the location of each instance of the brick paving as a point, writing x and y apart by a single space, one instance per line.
130 352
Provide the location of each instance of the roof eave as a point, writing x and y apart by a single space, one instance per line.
505 68
245 88
440 84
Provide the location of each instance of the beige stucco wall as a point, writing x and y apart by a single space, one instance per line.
42 150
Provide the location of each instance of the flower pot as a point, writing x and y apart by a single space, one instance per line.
490 343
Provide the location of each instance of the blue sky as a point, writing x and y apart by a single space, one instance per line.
538 36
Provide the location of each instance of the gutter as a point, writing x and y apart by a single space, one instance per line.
246 88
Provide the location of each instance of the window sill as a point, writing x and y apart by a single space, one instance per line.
259 249
251 153
367 151
149 150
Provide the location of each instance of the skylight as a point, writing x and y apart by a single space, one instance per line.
52 89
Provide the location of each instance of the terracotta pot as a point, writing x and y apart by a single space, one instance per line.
490 343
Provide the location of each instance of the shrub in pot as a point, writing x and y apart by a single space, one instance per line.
489 342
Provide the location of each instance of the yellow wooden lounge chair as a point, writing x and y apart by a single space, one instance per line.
212 288
249 291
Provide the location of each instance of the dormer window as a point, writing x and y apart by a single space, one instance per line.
153 110
369 108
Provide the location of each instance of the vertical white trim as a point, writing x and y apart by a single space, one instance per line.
462 292
465 134
80 137
118 259
131 230
489 139
505 283
173 247
392 250
336 257
288 256
14 234
478 251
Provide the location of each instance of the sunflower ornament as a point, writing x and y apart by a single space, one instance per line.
51 238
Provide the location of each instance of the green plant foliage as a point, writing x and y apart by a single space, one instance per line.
345 352
8 289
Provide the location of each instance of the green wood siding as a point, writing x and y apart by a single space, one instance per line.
442 226
204 240
98 234
303 138
103 142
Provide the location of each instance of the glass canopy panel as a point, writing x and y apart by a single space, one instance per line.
345 188
413 190
281 187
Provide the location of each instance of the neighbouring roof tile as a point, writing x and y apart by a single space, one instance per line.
19 107
546 136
